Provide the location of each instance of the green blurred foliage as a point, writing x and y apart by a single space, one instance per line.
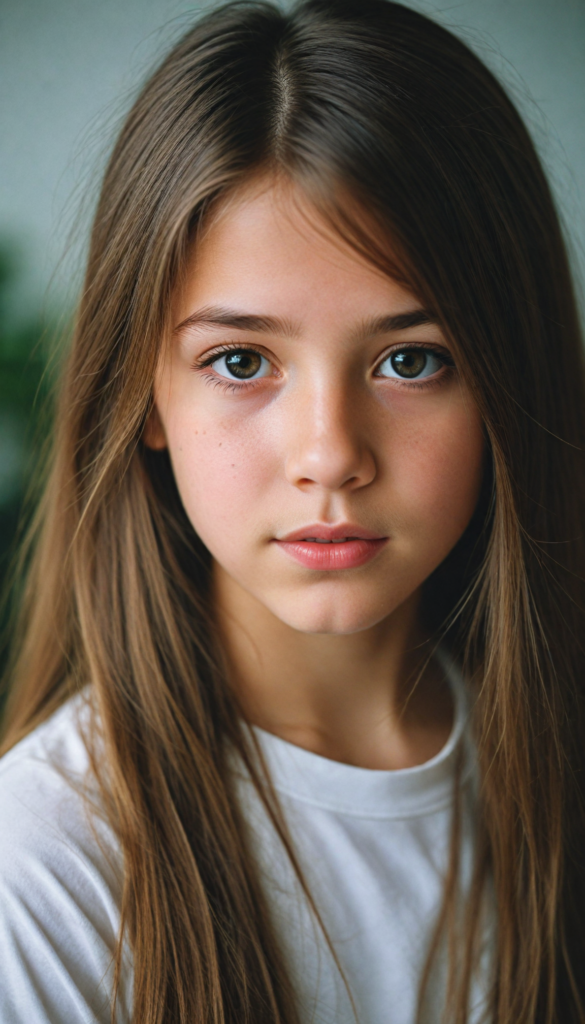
25 387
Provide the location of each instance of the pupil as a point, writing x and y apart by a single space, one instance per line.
243 364
409 364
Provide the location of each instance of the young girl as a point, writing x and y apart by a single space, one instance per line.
296 722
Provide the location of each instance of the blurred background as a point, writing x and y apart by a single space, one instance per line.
69 70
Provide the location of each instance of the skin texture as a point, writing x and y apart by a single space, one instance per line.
326 659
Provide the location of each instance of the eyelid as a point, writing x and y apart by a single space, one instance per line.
434 347
210 356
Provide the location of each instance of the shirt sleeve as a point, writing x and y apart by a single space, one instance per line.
59 903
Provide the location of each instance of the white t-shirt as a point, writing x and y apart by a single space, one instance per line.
373 846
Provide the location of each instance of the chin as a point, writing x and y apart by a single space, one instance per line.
337 618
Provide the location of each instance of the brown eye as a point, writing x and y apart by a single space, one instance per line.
242 364
410 363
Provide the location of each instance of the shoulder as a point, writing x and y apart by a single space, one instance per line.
60 880
48 805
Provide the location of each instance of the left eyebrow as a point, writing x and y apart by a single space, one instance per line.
217 316
398 322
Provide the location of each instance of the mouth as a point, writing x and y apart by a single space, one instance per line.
323 540
330 548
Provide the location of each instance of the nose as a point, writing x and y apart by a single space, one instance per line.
327 448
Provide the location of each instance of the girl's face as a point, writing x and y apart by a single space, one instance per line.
325 448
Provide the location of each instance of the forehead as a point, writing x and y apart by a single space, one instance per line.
268 251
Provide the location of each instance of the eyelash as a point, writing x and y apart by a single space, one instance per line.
228 385
223 382
445 374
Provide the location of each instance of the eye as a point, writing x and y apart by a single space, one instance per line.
242 364
410 363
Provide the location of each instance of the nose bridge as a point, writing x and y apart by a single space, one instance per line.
328 447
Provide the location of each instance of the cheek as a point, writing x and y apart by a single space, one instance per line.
223 471
437 468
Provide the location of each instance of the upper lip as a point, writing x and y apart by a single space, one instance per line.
320 531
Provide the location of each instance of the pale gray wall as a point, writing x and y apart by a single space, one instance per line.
68 69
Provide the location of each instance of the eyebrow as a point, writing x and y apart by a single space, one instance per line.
218 316
398 322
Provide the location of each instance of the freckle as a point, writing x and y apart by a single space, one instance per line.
220 443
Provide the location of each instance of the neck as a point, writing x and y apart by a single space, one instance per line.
374 699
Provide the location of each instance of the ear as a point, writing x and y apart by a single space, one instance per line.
153 434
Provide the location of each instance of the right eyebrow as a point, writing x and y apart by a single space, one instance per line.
218 316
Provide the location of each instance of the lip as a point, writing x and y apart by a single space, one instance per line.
348 547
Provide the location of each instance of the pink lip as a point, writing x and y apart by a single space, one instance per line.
360 546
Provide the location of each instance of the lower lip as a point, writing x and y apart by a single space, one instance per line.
347 554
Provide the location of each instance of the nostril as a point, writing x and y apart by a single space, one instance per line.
334 459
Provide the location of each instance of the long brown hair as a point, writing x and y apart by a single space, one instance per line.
369 99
